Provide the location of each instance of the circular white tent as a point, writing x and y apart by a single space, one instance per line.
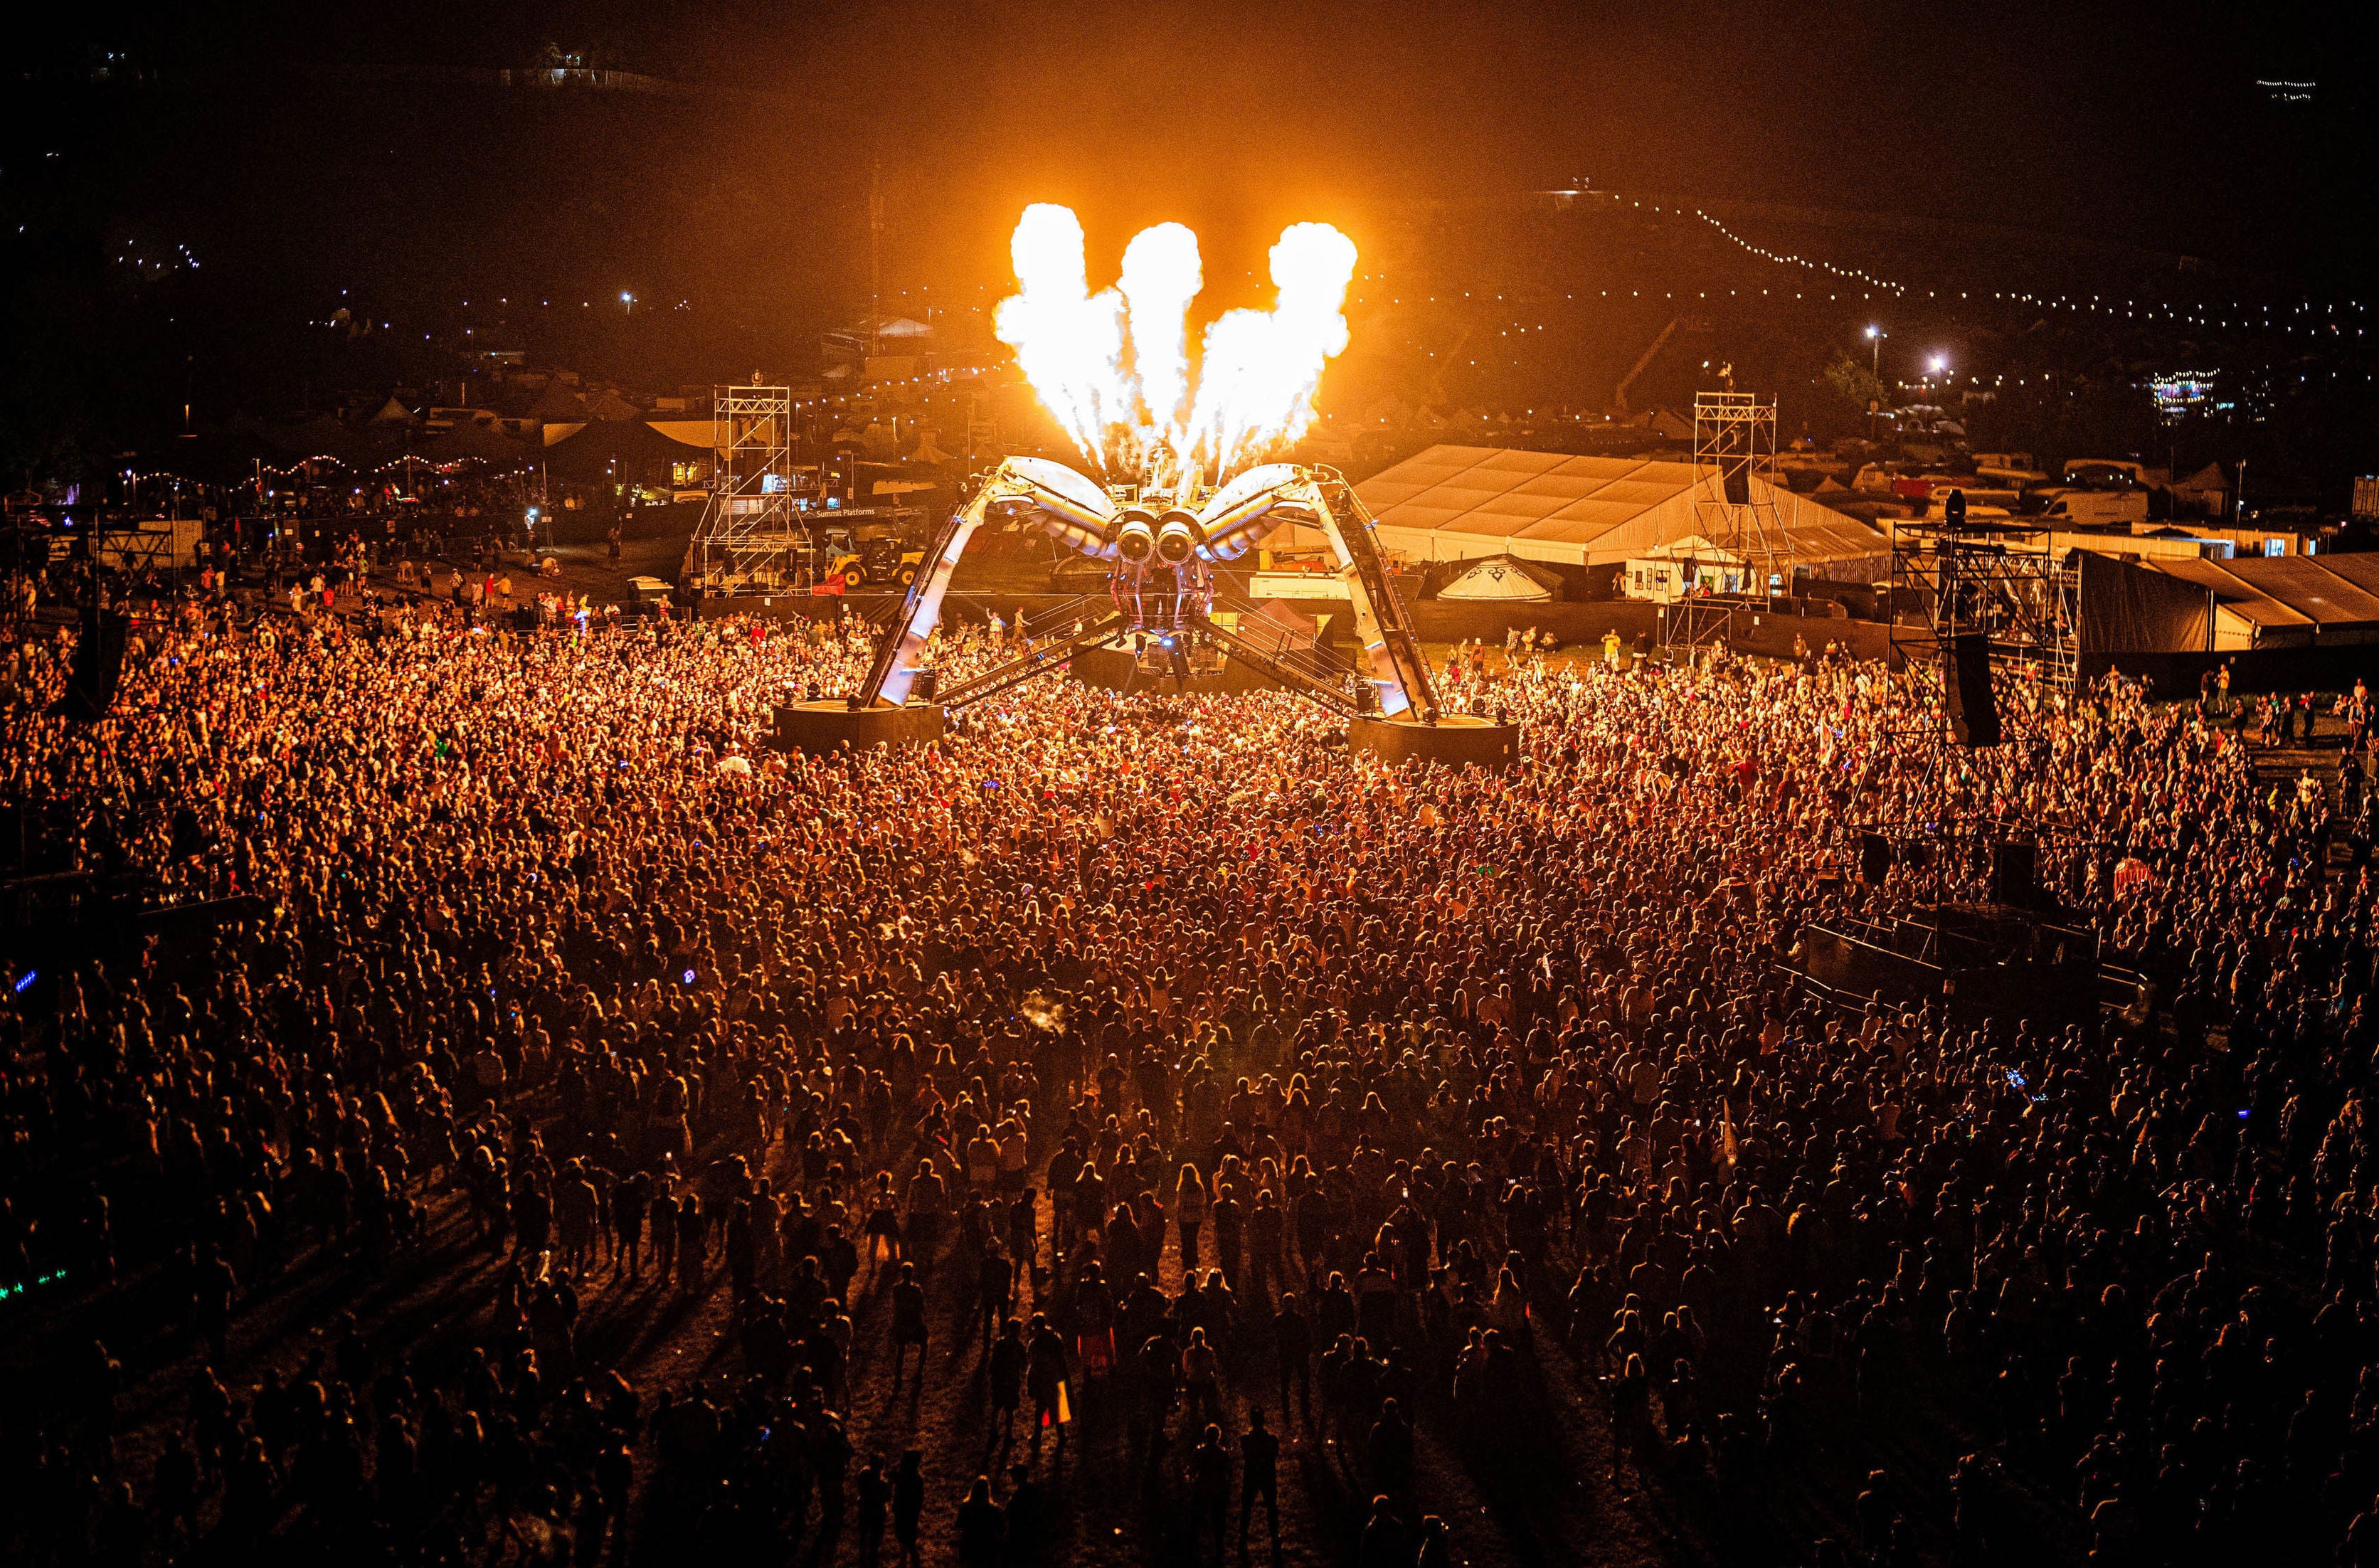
1501 579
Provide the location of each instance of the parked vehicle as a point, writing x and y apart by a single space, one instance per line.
2014 470
2094 507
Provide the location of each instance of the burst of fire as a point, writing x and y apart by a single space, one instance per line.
1113 367
1160 276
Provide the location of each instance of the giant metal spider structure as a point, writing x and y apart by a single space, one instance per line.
1163 545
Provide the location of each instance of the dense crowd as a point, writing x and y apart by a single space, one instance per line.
1200 1101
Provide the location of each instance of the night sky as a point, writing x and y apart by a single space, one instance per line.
295 154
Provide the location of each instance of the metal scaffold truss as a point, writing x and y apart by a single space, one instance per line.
1734 437
750 538
2001 583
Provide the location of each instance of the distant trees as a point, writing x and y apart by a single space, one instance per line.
1855 383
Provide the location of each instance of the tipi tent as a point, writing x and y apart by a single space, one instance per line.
609 406
1502 579
558 405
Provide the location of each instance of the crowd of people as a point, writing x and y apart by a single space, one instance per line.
565 1116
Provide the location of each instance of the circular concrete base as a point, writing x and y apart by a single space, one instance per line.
1454 740
824 725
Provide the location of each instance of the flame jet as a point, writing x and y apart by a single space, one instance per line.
1113 370
1067 342
1160 276
1262 368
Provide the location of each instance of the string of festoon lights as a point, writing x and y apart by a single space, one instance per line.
931 379
2309 318
451 466
144 476
1762 251
1384 294
2238 314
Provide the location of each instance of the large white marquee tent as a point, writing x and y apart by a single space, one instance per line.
1460 502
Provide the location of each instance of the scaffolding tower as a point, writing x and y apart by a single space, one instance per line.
2001 581
750 538
1961 589
1734 436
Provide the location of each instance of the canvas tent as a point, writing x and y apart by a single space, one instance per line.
557 405
2341 611
704 435
2243 616
609 406
1832 543
2359 568
1462 502
1501 579
2132 608
625 451
2279 601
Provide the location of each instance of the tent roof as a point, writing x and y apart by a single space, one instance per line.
705 435
2230 591
1692 545
393 413
1275 628
1455 501
611 405
558 405
1458 500
1815 533
2305 585
2354 566
1503 577
589 453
